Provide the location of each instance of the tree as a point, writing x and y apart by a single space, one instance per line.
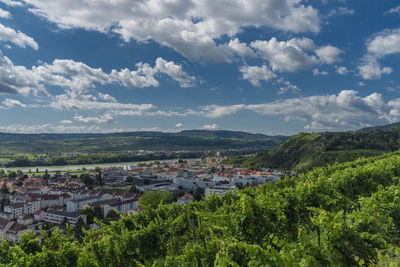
113 215
78 230
198 194
129 179
133 189
12 174
99 176
85 177
152 199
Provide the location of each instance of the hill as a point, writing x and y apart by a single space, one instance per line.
117 142
342 215
307 150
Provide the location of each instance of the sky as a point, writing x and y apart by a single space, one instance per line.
261 66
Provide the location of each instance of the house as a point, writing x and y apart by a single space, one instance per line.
58 217
15 209
11 230
38 216
77 204
121 206
25 219
185 199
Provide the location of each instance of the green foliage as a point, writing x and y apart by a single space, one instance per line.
307 150
152 199
340 215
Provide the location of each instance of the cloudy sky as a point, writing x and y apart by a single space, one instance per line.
265 66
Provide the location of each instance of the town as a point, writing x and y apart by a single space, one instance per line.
37 202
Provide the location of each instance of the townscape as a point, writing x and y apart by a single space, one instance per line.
43 202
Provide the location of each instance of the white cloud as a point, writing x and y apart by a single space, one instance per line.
329 54
286 86
395 10
10 103
16 37
240 48
105 118
257 74
190 27
4 14
317 72
107 98
66 122
341 70
48 128
372 70
384 43
346 110
175 72
210 126
340 11
11 3
295 54
361 84
379 45
179 125
18 79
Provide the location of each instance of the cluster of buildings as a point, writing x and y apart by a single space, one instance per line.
28 203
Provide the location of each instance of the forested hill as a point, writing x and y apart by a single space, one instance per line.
307 150
184 140
342 215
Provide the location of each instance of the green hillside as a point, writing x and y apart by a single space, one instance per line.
342 215
307 150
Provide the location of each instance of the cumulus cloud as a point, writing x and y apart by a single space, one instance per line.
346 110
210 126
175 72
16 37
190 27
18 79
179 125
372 70
257 74
105 118
4 14
10 103
329 54
11 3
66 122
379 45
395 10
79 79
340 11
317 72
295 54
341 70
107 97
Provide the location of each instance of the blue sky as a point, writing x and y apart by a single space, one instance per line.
265 66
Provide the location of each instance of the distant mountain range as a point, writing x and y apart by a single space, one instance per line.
88 142
307 150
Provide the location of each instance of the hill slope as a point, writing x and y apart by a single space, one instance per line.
185 140
343 215
307 150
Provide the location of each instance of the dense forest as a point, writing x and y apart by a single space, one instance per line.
307 150
340 215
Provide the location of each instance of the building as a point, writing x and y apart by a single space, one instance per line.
11 230
58 217
15 209
77 204
25 219
121 206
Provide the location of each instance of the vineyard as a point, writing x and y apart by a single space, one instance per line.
341 215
